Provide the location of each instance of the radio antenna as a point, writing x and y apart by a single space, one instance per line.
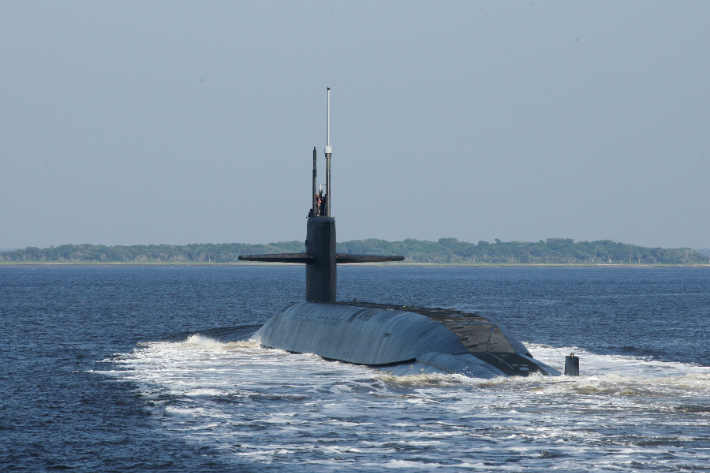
328 152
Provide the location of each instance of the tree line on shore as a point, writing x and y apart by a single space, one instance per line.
446 250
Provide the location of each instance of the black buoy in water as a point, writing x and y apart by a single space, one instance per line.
571 365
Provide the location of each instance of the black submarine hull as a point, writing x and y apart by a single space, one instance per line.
399 339
402 340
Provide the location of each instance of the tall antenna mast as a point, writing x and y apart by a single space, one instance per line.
328 152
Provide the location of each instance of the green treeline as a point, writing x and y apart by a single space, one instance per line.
550 251
446 250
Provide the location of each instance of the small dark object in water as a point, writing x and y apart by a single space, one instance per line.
571 365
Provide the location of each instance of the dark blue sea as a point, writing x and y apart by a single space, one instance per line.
150 368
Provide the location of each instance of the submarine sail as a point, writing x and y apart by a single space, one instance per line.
400 339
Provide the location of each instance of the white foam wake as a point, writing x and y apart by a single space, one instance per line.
264 406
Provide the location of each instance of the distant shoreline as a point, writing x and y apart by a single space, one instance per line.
445 252
414 264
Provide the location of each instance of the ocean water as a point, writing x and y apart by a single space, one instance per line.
132 368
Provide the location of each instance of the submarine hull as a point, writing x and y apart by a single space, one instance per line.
399 339
402 340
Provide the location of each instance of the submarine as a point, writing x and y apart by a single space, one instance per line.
398 339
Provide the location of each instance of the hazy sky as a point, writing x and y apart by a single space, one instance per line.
194 122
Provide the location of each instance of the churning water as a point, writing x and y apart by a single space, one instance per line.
153 368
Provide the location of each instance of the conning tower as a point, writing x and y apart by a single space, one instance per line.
320 257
